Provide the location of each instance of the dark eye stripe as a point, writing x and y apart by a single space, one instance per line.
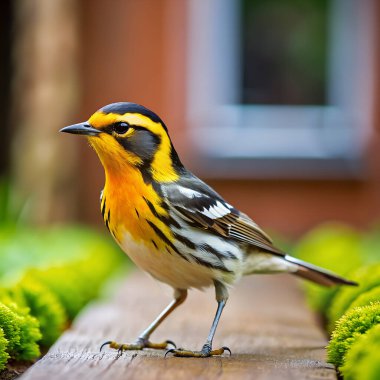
142 142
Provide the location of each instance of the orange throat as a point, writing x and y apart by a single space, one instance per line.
125 207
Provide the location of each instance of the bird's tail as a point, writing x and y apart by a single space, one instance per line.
316 274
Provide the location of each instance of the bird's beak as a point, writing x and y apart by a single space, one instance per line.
81 129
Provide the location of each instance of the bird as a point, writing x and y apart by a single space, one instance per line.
172 224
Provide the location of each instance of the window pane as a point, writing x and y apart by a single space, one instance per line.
284 51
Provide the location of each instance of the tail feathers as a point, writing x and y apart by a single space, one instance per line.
316 274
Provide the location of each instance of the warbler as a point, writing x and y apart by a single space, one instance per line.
173 225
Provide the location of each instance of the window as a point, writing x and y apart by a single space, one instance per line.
313 119
283 51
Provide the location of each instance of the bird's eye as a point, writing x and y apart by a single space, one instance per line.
120 128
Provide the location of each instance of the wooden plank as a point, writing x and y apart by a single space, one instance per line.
271 332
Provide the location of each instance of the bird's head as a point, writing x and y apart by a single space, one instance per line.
128 135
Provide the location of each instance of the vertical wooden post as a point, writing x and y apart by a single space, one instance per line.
45 92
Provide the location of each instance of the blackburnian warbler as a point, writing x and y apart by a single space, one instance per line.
173 225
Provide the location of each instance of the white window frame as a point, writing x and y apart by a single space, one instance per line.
264 141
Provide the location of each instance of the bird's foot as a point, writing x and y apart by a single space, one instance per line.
140 344
206 352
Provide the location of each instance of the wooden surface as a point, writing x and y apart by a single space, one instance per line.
266 324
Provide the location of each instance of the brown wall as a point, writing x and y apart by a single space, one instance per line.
135 51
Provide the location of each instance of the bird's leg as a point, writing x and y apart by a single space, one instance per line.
206 351
143 340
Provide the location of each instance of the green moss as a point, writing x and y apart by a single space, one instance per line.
7 297
44 306
4 356
73 284
349 328
21 331
58 271
10 324
370 246
363 359
366 298
368 278
24 247
332 246
64 283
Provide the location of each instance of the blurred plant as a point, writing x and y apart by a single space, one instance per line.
368 278
363 359
10 208
370 245
354 255
47 277
23 247
4 356
349 328
44 305
366 298
21 331
280 240
75 280
332 246
74 284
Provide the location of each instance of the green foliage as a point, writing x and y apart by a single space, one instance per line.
4 356
74 284
65 283
368 278
366 298
47 276
50 275
22 248
43 305
363 359
348 329
343 250
21 331
10 207
332 246
370 246
10 324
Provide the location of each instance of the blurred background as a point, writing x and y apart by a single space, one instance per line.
274 102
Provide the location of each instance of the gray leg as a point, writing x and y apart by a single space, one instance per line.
180 296
221 293
143 339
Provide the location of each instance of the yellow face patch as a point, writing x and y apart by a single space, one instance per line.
111 154
108 149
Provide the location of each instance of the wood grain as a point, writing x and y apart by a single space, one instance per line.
270 330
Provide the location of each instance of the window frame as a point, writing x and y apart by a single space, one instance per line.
278 141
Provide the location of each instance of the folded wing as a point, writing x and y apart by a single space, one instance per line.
199 205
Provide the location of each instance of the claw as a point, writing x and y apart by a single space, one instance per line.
139 344
206 352
105 344
171 342
172 350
